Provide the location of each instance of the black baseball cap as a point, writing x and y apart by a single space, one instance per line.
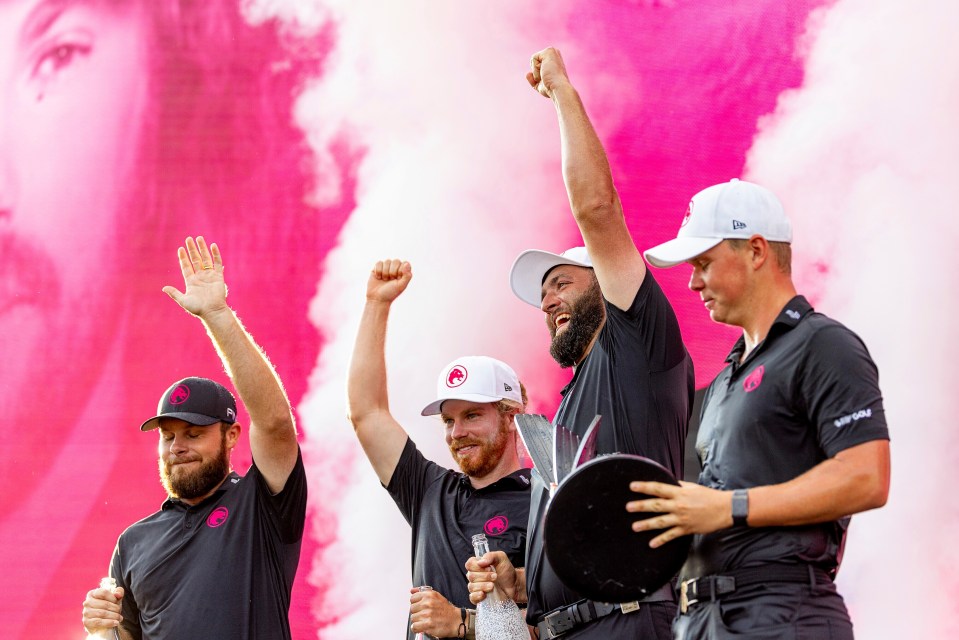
199 401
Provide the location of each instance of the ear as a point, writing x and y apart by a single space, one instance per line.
233 435
759 251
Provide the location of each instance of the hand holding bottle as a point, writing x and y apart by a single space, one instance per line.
101 609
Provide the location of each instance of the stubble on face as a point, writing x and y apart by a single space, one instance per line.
587 314
491 451
184 483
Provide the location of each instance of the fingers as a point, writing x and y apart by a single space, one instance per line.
199 256
658 489
392 269
101 609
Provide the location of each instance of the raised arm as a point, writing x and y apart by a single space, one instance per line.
380 435
272 430
593 199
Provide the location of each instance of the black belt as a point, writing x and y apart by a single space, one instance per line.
708 588
564 619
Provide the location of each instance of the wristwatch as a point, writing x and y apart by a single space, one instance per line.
740 508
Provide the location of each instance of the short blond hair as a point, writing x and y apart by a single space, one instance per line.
782 252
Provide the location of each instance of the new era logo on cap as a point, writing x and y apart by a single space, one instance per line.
476 379
199 401
734 209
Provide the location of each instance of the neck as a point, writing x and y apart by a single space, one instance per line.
195 501
756 326
506 466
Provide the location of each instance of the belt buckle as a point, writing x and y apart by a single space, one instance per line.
629 607
684 600
559 622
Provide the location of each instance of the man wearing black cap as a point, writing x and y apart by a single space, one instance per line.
476 399
793 438
218 559
611 322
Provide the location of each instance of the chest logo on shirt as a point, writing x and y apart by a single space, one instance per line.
754 379
496 525
456 376
218 517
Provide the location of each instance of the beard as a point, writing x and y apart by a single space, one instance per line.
189 485
586 316
490 452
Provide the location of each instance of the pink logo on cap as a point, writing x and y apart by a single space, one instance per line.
218 517
180 395
456 376
689 213
496 525
754 379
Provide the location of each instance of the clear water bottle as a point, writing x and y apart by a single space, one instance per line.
421 635
497 618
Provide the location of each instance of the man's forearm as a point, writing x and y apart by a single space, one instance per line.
586 172
251 372
367 383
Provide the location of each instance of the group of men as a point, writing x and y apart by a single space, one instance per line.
792 439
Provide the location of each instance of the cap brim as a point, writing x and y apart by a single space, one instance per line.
529 269
198 419
435 407
679 250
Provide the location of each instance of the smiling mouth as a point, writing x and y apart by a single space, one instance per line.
560 320
465 450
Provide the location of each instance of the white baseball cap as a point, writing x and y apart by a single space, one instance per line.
475 379
734 209
531 266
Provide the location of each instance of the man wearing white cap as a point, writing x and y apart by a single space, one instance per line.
793 437
476 398
611 322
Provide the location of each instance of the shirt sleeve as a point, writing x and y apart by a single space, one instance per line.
128 605
288 507
651 321
413 474
840 385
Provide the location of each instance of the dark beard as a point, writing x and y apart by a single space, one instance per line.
586 316
490 453
199 482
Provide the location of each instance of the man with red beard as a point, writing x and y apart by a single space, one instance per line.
218 559
611 322
477 397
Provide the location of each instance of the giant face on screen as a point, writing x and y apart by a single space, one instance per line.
74 87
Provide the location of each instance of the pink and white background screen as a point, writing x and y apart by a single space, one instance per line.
310 138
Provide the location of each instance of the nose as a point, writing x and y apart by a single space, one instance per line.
458 430
177 446
696 280
549 302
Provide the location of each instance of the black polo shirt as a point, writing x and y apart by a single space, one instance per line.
639 378
221 569
807 392
445 512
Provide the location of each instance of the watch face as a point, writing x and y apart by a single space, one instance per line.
588 533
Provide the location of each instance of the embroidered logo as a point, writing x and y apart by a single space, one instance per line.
496 525
738 225
218 517
456 376
506 387
689 213
754 379
792 314
230 414
180 394
853 417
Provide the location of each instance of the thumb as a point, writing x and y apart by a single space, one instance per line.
118 593
173 292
